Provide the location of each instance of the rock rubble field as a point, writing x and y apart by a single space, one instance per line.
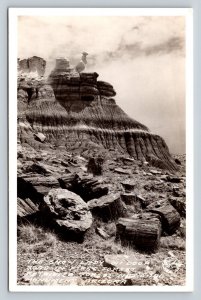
100 199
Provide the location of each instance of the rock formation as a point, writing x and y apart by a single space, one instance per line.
32 64
79 112
81 65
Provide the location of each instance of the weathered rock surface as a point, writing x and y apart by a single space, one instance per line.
123 171
76 111
69 212
39 168
142 231
32 64
40 137
169 216
108 207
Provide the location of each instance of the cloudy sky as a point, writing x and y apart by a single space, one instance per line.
143 57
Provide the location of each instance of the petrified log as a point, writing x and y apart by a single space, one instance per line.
25 207
108 207
89 188
95 165
128 185
68 181
35 187
132 199
169 216
179 205
142 231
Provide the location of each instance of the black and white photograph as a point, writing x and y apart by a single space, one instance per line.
99 108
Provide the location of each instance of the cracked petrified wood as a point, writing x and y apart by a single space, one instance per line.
169 216
108 207
142 231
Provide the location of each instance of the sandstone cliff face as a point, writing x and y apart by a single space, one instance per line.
76 109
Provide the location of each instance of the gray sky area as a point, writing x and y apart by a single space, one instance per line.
143 57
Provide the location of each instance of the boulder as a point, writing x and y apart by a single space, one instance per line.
69 212
108 207
142 231
169 216
40 137
173 179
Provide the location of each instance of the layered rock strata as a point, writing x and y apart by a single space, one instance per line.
32 64
77 111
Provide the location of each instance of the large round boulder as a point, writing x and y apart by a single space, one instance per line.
69 213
